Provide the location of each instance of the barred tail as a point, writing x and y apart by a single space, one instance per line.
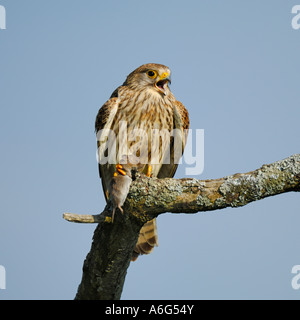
147 240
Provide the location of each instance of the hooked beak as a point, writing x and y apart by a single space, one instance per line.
162 84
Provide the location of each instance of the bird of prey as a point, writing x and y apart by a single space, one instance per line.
145 124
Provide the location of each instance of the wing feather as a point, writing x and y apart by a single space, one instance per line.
104 120
181 124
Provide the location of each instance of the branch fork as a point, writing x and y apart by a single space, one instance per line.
105 266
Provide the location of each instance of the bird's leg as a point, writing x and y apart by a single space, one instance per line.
113 212
119 169
113 215
149 171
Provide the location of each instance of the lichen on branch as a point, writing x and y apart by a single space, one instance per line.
106 264
149 197
155 196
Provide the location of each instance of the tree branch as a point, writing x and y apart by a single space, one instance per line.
106 265
87 218
156 196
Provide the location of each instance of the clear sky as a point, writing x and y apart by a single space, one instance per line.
235 66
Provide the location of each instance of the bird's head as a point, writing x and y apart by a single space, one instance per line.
151 75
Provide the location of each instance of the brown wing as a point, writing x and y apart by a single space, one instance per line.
181 123
104 120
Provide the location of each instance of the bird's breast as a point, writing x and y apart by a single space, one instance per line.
145 110
143 125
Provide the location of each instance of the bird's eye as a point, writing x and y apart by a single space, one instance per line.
151 74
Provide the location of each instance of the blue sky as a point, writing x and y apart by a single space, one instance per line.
235 66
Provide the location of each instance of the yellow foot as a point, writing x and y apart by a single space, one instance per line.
108 220
119 169
149 171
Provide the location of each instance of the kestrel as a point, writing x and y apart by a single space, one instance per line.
144 124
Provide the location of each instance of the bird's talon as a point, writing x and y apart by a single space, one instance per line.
149 171
123 173
119 169
108 219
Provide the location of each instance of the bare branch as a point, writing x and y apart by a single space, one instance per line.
86 218
105 267
149 197
156 196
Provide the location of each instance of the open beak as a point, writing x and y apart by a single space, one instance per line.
162 84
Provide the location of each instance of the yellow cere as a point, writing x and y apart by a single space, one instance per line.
164 75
